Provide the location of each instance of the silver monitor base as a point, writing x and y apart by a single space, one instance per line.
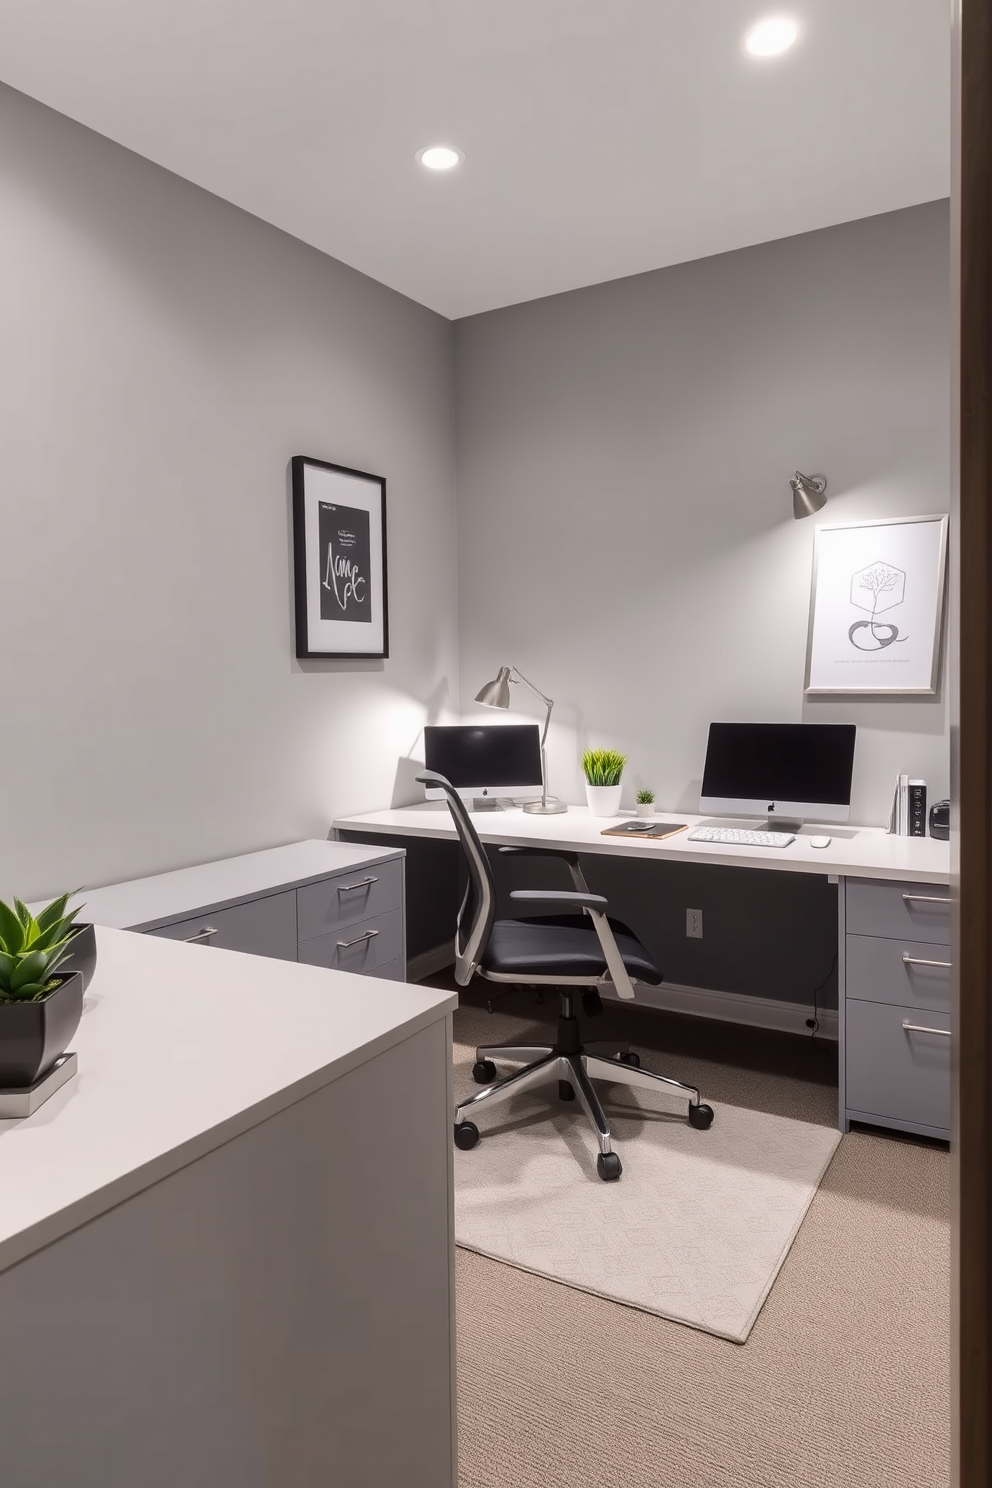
486 803
781 824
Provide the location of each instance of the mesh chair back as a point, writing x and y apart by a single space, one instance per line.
478 906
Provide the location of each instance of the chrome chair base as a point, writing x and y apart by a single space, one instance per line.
574 1066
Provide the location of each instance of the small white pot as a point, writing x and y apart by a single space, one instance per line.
645 808
604 800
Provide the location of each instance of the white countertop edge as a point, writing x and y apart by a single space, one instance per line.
75 1214
114 905
518 830
64 1217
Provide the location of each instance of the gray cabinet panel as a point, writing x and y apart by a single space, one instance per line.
898 971
919 912
361 947
898 1073
276 1314
263 927
348 898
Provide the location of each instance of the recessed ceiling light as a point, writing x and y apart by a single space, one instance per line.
439 157
769 37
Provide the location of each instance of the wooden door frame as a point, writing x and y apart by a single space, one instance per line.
972 736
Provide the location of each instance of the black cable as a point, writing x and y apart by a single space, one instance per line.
813 1024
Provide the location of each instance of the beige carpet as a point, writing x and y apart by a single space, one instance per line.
844 1381
695 1230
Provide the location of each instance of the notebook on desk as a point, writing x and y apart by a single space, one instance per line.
647 829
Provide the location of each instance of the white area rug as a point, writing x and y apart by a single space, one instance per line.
696 1229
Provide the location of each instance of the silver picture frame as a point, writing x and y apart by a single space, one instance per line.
876 607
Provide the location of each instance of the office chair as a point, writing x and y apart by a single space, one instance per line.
581 949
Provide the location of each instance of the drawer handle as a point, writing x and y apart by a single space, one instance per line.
343 945
362 883
925 899
922 1028
922 961
205 934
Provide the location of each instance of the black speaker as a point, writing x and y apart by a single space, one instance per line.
940 820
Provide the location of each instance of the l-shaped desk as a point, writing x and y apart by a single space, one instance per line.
894 919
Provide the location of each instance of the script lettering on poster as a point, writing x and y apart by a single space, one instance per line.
345 555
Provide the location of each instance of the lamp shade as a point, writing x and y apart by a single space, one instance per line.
496 694
807 494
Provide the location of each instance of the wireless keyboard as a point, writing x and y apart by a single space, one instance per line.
741 837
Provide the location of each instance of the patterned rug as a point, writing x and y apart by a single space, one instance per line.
695 1230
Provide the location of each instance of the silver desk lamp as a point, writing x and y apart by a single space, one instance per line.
496 694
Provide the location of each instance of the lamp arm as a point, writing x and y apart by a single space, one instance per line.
548 702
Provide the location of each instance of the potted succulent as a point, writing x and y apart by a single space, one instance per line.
603 769
44 963
645 802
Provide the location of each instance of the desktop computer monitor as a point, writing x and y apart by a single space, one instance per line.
484 761
782 771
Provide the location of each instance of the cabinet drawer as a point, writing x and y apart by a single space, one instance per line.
263 927
393 971
897 1072
348 898
910 973
899 911
363 947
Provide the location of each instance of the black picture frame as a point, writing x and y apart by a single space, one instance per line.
339 562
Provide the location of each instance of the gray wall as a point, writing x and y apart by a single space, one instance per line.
625 519
164 355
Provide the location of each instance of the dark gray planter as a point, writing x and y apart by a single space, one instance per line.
82 954
34 1034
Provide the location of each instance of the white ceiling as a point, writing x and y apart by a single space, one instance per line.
601 137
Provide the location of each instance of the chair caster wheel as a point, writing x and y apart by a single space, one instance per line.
483 1072
701 1117
466 1135
634 1060
609 1167
565 1091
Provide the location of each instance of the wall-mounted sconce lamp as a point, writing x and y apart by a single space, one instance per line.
807 494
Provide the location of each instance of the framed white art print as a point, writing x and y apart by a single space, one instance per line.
876 607
339 542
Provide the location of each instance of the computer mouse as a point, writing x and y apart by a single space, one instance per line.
819 842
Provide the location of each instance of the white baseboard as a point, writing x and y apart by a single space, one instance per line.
735 1007
698 1002
428 962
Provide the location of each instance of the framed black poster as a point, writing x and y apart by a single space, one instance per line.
339 548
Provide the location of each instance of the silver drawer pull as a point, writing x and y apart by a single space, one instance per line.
362 883
343 945
922 961
922 1028
925 899
205 934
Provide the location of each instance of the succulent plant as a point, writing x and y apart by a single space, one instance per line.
645 797
603 766
32 949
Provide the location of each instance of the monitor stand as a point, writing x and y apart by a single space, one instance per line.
486 803
781 824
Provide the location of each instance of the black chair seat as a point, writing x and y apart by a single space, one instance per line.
562 945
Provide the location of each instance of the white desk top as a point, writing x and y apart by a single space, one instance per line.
167 897
180 1049
855 852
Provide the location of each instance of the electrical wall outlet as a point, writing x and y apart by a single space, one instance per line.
694 923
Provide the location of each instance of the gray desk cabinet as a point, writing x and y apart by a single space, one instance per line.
326 904
895 1006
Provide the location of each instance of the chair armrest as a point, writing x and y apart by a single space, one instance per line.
543 852
566 898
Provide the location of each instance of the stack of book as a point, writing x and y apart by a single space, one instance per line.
908 817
